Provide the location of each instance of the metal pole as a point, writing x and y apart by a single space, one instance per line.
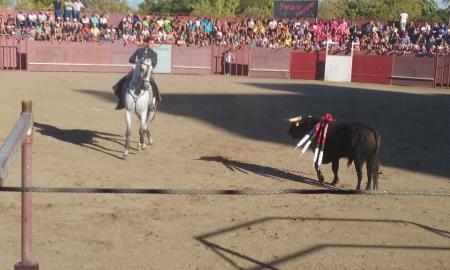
27 262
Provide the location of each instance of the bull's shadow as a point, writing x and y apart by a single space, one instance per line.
81 137
234 257
266 171
415 128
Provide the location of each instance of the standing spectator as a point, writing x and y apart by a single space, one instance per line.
68 9
58 8
403 20
77 6
228 62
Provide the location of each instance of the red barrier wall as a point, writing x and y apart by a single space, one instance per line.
192 60
273 63
304 65
82 57
240 64
120 55
372 69
413 70
442 77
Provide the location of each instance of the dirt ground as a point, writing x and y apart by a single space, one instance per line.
216 132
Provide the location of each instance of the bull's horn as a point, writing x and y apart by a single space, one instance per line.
295 119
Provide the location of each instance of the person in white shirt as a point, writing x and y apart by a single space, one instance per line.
77 6
403 20
32 19
21 19
41 18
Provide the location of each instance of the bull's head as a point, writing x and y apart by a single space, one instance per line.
301 125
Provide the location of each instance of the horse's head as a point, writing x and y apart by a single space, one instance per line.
145 69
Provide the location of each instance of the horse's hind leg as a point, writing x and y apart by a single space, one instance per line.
127 135
149 137
150 117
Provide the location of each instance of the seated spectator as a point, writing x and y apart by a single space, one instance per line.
95 20
85 20
103 21
85 33
95 34
2 26
21 20
41 18
10 25
47 31
32 19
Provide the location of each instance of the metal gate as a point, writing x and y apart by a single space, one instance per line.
12 54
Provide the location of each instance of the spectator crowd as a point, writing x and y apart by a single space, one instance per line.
67 23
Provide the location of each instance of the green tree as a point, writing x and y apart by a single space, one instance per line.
94 5
262 8
5 3
166 6
380 9
118 6
215 8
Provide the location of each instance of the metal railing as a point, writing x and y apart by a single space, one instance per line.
21 136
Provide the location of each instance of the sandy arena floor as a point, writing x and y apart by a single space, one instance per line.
216 132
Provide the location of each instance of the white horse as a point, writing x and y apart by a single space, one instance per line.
137 96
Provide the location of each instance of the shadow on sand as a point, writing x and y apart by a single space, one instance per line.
234 257
415 128
82 137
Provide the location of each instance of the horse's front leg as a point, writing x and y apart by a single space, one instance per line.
143 130
127 134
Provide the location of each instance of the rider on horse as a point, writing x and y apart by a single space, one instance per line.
140 53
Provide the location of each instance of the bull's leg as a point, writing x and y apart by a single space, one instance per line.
335 168
375 172
128 134
358 167
319 173
369 166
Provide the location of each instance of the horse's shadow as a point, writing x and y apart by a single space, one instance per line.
82 137
265 171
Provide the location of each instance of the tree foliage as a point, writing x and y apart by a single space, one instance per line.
380 9
215 8
166 6
93 5
5 3
256 7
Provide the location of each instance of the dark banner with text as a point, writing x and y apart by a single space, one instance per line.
295 9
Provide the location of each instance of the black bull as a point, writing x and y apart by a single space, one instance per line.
358 142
